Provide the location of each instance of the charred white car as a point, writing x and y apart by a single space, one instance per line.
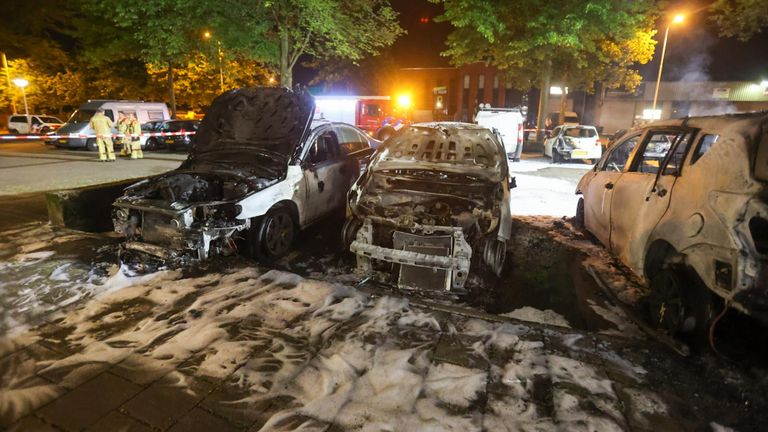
258 171
684 204
432 206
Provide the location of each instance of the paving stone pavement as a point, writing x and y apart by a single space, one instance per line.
247 351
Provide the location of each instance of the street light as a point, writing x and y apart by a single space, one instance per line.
21 82
207 35
677 19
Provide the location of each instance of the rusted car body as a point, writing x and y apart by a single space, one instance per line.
685 200
432 206
259 170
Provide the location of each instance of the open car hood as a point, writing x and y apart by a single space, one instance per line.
268 123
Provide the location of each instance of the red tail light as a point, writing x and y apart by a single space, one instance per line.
520 134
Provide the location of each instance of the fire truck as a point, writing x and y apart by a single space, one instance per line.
379 116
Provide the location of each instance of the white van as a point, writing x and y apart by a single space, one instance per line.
78 123
35 123
509 123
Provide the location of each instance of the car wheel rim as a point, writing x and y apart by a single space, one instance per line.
279 234
668 308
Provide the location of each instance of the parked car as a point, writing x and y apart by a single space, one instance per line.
150 142
509 123
432 206
258 170
573 142
683 204
33 124
178 142
78 122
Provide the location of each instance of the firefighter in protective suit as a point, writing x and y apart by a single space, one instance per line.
134 129
122 128
102 125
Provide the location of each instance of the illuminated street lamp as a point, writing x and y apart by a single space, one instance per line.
677 19
207 35
21 82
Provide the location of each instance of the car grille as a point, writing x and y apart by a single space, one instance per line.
423 277
157 228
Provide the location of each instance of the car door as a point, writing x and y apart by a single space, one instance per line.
598 192
355 148
641 195
549 142
324 176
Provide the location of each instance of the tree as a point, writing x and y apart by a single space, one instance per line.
373 75
197 81
740 18
160 32
279 32
575 42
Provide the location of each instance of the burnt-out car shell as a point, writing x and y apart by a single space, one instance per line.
258 170
434 202
684 204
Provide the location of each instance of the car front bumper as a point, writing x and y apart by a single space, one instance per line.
430 257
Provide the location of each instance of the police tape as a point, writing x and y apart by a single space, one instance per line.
69 136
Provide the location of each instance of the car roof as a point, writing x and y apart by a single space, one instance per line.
450 125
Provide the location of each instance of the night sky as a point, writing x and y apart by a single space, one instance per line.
694 50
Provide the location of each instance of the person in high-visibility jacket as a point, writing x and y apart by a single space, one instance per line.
122 128
134 129
102 125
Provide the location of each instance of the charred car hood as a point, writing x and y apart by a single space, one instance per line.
267 122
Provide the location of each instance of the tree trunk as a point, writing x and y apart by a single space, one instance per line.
286 71
171 93
546 77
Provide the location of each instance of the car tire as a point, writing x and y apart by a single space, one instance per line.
90 144
273 236
13 131
679 305
578 220
556 156
151 144
349 232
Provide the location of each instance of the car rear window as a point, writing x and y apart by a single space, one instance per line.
18 119
177 126
580 133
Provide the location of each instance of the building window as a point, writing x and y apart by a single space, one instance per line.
495 101
466 82
480 88
508 95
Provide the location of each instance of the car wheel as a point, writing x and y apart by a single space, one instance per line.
90 144
679 305
275 234
349 231
494 255
556 156
578 220
151 144
13 131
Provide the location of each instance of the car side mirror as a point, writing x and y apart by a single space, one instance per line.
512 183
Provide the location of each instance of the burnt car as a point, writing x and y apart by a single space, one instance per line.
258 170
684 204
432 207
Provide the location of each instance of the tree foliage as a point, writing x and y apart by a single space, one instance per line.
740 18
279 32
576 42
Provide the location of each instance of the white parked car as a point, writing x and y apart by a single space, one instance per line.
509 124
683 204
34 124
258 171
573 142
